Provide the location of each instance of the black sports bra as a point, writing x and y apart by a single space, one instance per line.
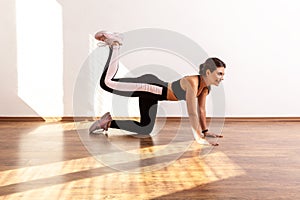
179 92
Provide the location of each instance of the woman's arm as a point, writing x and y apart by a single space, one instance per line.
202 113
192 107
202 108
191 102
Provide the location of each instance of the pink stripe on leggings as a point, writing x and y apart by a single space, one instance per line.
121 86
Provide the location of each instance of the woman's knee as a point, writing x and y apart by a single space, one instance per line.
146 127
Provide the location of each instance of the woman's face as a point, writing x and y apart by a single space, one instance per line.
216 76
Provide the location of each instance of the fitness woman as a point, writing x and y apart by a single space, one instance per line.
150 89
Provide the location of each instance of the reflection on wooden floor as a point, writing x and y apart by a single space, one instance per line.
255 160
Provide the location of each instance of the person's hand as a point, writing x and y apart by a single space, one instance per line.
203 141
214 143
213 135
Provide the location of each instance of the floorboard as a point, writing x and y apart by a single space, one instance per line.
255 160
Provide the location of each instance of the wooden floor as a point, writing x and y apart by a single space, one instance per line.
255 160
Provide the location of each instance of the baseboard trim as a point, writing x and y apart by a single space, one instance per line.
262 119
72 119
22 119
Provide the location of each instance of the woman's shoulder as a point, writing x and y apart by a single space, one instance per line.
190 80
191 77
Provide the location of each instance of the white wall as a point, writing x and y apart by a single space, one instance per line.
258 40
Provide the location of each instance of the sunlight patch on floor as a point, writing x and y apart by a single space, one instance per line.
174 178
32 173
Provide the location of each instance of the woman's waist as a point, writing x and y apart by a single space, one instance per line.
170 93
177 90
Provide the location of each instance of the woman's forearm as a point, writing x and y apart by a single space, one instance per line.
195 123
202 119
193 116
